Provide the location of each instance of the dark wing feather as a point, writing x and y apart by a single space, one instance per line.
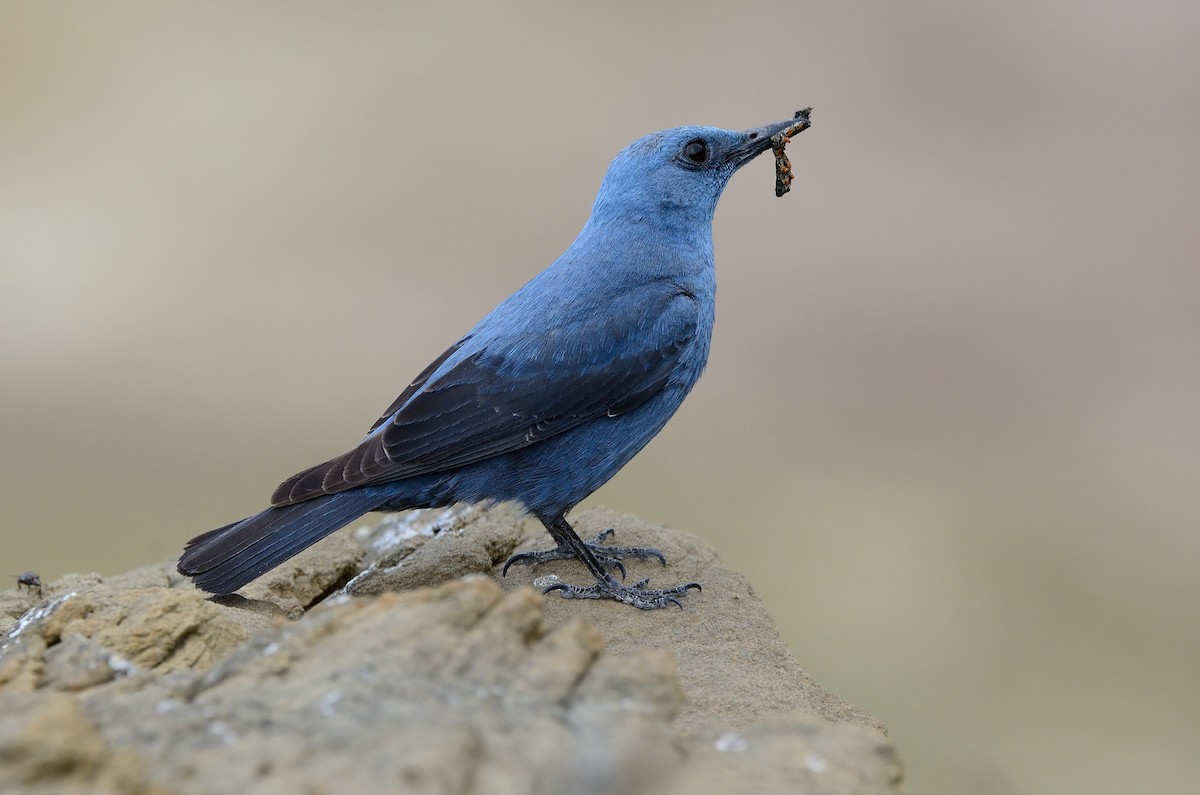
479 409
417 383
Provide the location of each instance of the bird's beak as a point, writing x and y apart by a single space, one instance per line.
756 141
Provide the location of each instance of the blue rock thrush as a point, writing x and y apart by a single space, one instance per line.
551 393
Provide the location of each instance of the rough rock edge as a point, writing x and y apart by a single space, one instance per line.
134 667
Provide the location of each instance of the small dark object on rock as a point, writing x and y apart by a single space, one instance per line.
30 580
783 166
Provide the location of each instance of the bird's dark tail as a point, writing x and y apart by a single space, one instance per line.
223 560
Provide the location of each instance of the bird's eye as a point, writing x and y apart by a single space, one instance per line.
696 151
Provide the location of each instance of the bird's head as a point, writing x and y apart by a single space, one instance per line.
677 175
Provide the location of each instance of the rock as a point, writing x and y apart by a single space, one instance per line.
46 745
424 673
732 663
797 753
470 540
141 625
306 579
77 663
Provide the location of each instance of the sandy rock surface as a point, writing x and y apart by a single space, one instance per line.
392 658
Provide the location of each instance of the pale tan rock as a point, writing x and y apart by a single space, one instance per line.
161 628
77 663
309 577
47 745
733 665
796 753
477 685
424 548
22 664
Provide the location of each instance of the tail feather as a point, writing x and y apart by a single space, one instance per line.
223 560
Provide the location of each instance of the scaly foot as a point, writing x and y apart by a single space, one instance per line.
609 557
637 595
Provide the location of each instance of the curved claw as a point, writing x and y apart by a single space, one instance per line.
603 536
674 601
619 566
524 557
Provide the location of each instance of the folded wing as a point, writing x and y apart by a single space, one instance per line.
496 401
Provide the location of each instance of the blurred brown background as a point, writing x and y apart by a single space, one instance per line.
951 424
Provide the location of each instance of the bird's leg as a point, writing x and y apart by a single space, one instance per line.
606 586
609 556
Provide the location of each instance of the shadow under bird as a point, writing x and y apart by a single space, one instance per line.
550 394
